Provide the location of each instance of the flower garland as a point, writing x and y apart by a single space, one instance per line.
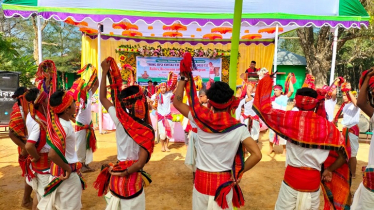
147 51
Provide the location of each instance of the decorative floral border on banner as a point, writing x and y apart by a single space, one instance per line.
127 56
147 51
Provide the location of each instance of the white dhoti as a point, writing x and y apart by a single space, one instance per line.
255 130
115 203
190 160
207 202
162 130
281 140
66 197
364 198
39 183
290 199
353 139
84 155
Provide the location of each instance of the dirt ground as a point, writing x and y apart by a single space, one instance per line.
172 180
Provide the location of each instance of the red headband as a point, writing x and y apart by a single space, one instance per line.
233 103
67 100
278 87
305 103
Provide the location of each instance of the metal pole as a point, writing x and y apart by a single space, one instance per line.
235 43
99 74
334 49
39 39
276 53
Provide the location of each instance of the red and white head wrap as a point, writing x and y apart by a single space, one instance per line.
67 100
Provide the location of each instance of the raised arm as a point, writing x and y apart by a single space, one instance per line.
105 65
95 86
362 100
239 109
184 109
289 94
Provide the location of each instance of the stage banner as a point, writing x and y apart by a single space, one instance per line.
158 68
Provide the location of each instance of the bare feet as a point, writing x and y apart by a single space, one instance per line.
27 204
271 151
86 169
167 149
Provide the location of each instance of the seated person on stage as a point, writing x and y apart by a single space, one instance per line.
135 142
252 68
221 143
311 141
364 196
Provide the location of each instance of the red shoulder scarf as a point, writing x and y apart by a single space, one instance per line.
140 131
212 122
309 130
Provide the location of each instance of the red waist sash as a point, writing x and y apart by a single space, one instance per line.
194 130
354 130
126 187
40 167
207 182
368 180
57 171
165 121
251 117
303 179
90 134
22 161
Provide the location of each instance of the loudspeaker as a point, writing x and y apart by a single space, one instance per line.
9 82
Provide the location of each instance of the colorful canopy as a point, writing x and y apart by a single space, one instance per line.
195 18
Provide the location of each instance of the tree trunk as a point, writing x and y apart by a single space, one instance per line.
36 33
63 80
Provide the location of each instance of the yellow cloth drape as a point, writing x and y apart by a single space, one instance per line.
263 55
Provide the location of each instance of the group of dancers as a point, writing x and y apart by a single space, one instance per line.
53 155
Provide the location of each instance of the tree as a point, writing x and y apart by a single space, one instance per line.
318 47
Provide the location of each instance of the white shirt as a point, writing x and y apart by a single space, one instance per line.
84 115
33 130
216 151
371 150
280 102
70 152
248 111
330 107
164 108
351 115
127 148
295 109
298 156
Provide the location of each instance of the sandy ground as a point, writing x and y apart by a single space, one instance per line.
172 180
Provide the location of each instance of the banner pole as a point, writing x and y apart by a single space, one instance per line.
235 43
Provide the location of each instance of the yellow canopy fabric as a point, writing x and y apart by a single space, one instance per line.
263 55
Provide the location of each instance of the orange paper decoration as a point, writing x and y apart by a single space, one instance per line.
175 26
152 34
222 30
212 36
131 33
172 34
72 22
270 30
252 36
192 36
150 27
125 26
198 29
89 30
111 33
246 31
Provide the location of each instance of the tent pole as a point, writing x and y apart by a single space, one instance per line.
99 74
235 43
334 49
276 53
40 53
